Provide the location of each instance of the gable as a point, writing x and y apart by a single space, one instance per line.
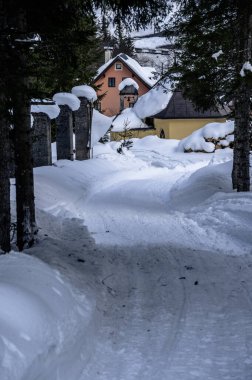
143 74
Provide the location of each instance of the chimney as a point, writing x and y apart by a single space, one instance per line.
108 53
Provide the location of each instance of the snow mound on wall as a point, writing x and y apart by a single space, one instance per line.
127 120
100 125
207 138
127 82
39 314
85 91
65 98
153 102
52 110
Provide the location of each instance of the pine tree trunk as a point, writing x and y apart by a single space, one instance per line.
5 216
25 206
241 163
241 167
26 224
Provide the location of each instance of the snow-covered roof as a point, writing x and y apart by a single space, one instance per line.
127 120
150 42
85 91
153 101
66 98
180 107
128 82
147 75
51 110
100 125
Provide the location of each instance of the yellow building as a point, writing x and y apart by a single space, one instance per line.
180 118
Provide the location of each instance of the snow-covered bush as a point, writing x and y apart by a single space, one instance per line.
209 138
126 142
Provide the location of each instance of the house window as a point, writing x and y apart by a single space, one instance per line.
111 82
118 66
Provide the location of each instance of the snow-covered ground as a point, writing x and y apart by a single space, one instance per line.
146 271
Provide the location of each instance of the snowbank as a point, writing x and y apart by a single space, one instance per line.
128 82
153 101
201 185
65 98
41 321
52 111
127 120
85 91
208 138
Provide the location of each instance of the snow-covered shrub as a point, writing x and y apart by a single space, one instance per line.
209 138
125 136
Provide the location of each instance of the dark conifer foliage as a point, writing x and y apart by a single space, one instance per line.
123 42
214 40
47 46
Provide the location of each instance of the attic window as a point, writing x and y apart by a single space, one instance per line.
118 66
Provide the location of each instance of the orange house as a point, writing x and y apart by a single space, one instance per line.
112 73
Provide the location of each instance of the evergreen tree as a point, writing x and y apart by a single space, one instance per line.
214 41
46 47
123 42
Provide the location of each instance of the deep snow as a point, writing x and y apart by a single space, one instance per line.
149 273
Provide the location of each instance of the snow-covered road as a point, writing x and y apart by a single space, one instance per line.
157 249
172 288
173 314
162 312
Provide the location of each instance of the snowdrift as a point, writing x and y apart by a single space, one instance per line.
42 321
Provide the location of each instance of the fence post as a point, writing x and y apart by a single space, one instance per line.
41 140
64 134
81 129
42 113
83 121
64 122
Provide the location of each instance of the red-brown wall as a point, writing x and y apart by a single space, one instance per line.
110 104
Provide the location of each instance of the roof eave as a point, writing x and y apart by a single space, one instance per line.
190 118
